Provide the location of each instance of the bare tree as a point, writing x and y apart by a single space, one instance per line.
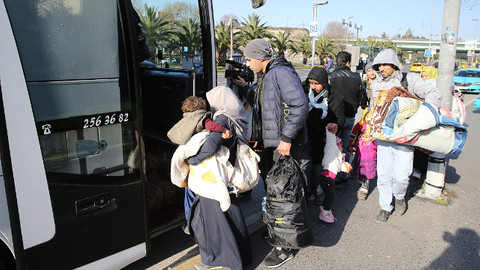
336 30
471 3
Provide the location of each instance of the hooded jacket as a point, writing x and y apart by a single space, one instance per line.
315 124
348 84
281 83
416 85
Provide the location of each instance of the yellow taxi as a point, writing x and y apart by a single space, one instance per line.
416 67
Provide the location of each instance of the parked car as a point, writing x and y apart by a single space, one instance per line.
416 67
467 80
476 103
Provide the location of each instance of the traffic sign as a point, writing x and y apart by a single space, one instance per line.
313 29
428 53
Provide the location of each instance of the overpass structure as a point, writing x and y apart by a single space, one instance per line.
422 45
415 46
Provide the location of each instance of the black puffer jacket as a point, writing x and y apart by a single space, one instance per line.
349 85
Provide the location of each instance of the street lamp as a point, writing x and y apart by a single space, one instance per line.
431 27
315 19
476 32
358 28
348 24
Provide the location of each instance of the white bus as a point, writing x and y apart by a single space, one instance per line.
77 112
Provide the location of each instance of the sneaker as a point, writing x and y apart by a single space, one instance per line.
277 257
362 194
202 266
185 229
382 217
363 191
400 206
326 215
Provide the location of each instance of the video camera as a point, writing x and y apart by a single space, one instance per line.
235 69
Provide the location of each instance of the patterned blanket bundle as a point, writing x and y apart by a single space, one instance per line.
400 117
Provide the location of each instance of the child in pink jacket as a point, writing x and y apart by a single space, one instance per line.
365 161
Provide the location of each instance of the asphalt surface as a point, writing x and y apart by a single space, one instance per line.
429 236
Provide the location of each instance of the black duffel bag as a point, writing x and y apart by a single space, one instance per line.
286 213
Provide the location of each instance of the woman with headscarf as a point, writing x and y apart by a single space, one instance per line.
429 74
367 82
324 107
221 236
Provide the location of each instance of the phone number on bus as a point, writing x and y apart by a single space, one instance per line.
83 122
106 120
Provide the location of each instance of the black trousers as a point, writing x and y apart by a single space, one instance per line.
222 237
328 186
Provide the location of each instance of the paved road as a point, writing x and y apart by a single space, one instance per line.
428 236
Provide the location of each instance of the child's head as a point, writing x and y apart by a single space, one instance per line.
366 137
191 104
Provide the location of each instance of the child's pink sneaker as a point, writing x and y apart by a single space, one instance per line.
326 215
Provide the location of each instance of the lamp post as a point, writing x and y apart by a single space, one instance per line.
431 27
476 32
348 24
315 19
358 28
231 31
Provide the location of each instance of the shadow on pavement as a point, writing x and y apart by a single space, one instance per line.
327 235
462 253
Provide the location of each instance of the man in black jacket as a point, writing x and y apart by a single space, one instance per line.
349 85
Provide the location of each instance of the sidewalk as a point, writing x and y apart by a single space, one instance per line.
428 236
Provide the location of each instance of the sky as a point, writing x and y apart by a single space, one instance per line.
376 17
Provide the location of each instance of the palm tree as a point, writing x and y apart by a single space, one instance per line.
252 28
303 46
325 46
154 27
282 43
189 36
222 41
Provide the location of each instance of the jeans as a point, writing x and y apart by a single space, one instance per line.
306 165
344 134
394 166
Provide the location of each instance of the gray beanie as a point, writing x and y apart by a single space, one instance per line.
258 49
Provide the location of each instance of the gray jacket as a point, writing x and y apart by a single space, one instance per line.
282 82
416 85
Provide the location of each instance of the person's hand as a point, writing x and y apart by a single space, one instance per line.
255 146
332 127
227 134
351 149
283 148
239 81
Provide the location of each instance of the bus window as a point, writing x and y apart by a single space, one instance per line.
82 105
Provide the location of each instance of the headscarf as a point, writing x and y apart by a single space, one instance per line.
369 66
319 100
259 49
223 100
431 71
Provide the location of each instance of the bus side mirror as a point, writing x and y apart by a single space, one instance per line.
258 3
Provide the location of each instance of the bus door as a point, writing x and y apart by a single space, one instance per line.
182 64
76 197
